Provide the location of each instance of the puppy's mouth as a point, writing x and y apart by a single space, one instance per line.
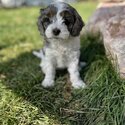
53 37
57 38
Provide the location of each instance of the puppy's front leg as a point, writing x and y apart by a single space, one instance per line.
74 75
49 71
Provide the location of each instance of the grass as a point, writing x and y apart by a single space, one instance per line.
22 99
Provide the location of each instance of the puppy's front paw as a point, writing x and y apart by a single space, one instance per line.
47 83
79 84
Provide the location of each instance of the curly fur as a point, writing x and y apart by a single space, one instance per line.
62 47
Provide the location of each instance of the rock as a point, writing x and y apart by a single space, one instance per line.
110 4
111 1
35 2
110 22
12 3
114 40
44 2
67 1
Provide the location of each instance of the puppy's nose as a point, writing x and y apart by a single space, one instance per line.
56 31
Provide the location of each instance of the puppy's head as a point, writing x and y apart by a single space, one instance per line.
59 21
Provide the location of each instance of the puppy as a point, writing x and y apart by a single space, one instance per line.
60 25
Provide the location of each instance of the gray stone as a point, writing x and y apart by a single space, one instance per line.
17 3
35 2
44 2
114 40
111 0
110 21
67 1
12 3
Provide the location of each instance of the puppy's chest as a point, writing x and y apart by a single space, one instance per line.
62 56
63 52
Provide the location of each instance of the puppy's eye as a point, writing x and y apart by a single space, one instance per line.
46 20
67 22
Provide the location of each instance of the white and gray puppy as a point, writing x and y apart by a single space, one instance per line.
60 24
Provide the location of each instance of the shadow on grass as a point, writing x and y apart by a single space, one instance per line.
92 48
23 76
3 46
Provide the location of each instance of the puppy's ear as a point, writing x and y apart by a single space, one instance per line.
78 25
42 10
39 22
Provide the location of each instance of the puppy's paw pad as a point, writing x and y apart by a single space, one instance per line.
47 83
79 84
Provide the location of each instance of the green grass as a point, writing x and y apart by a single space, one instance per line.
23 101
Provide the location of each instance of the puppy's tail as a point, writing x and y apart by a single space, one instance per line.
39 54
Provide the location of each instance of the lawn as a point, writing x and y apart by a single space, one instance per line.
23 101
